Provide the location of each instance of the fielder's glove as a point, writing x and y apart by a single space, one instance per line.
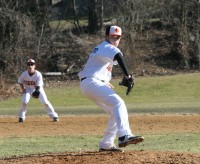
36 93
127 81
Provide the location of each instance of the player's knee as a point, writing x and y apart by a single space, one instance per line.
117 101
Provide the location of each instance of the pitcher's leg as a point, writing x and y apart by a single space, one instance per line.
114 104
121 116
100 93
110 134
109 101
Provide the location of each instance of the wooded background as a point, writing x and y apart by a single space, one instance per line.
160 36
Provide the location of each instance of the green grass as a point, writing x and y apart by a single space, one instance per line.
34 145
178 88
163 94
188 142
182 142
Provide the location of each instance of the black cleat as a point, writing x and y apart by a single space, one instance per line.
112 149
127 140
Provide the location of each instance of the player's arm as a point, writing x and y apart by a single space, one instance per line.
120 59
128 80
39 82
23 90
37 88
36 92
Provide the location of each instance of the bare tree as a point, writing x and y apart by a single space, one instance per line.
101 15
153 31
92 16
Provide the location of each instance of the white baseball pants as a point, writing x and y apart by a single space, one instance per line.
43 99
108 100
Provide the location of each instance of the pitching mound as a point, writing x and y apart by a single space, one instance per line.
76 125
129 157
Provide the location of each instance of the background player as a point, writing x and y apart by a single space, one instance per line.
31 84
95 84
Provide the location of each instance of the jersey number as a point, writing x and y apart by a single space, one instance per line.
30 82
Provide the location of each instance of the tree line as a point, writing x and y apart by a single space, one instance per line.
164 33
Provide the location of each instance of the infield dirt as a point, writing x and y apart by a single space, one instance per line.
84 125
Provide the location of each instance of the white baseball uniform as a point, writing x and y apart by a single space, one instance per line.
96 74
29 83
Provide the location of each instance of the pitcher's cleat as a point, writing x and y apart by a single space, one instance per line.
128 139
112 149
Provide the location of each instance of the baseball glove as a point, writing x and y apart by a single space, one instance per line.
36 94
127 82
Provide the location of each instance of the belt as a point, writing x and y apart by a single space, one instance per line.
83 78
86 77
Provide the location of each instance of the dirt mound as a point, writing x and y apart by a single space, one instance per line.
132 157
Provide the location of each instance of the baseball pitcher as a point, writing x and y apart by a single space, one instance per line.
95 84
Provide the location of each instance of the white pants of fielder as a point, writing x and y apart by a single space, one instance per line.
43 99
108 100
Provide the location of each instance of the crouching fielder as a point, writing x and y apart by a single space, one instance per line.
31 84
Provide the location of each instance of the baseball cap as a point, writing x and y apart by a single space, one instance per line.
31 61
113 31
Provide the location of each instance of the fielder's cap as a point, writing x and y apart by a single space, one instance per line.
31 61
113 31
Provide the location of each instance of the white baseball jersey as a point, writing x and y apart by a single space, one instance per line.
31 81
100 62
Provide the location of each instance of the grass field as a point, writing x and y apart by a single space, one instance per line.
35 145
163 94
177 94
